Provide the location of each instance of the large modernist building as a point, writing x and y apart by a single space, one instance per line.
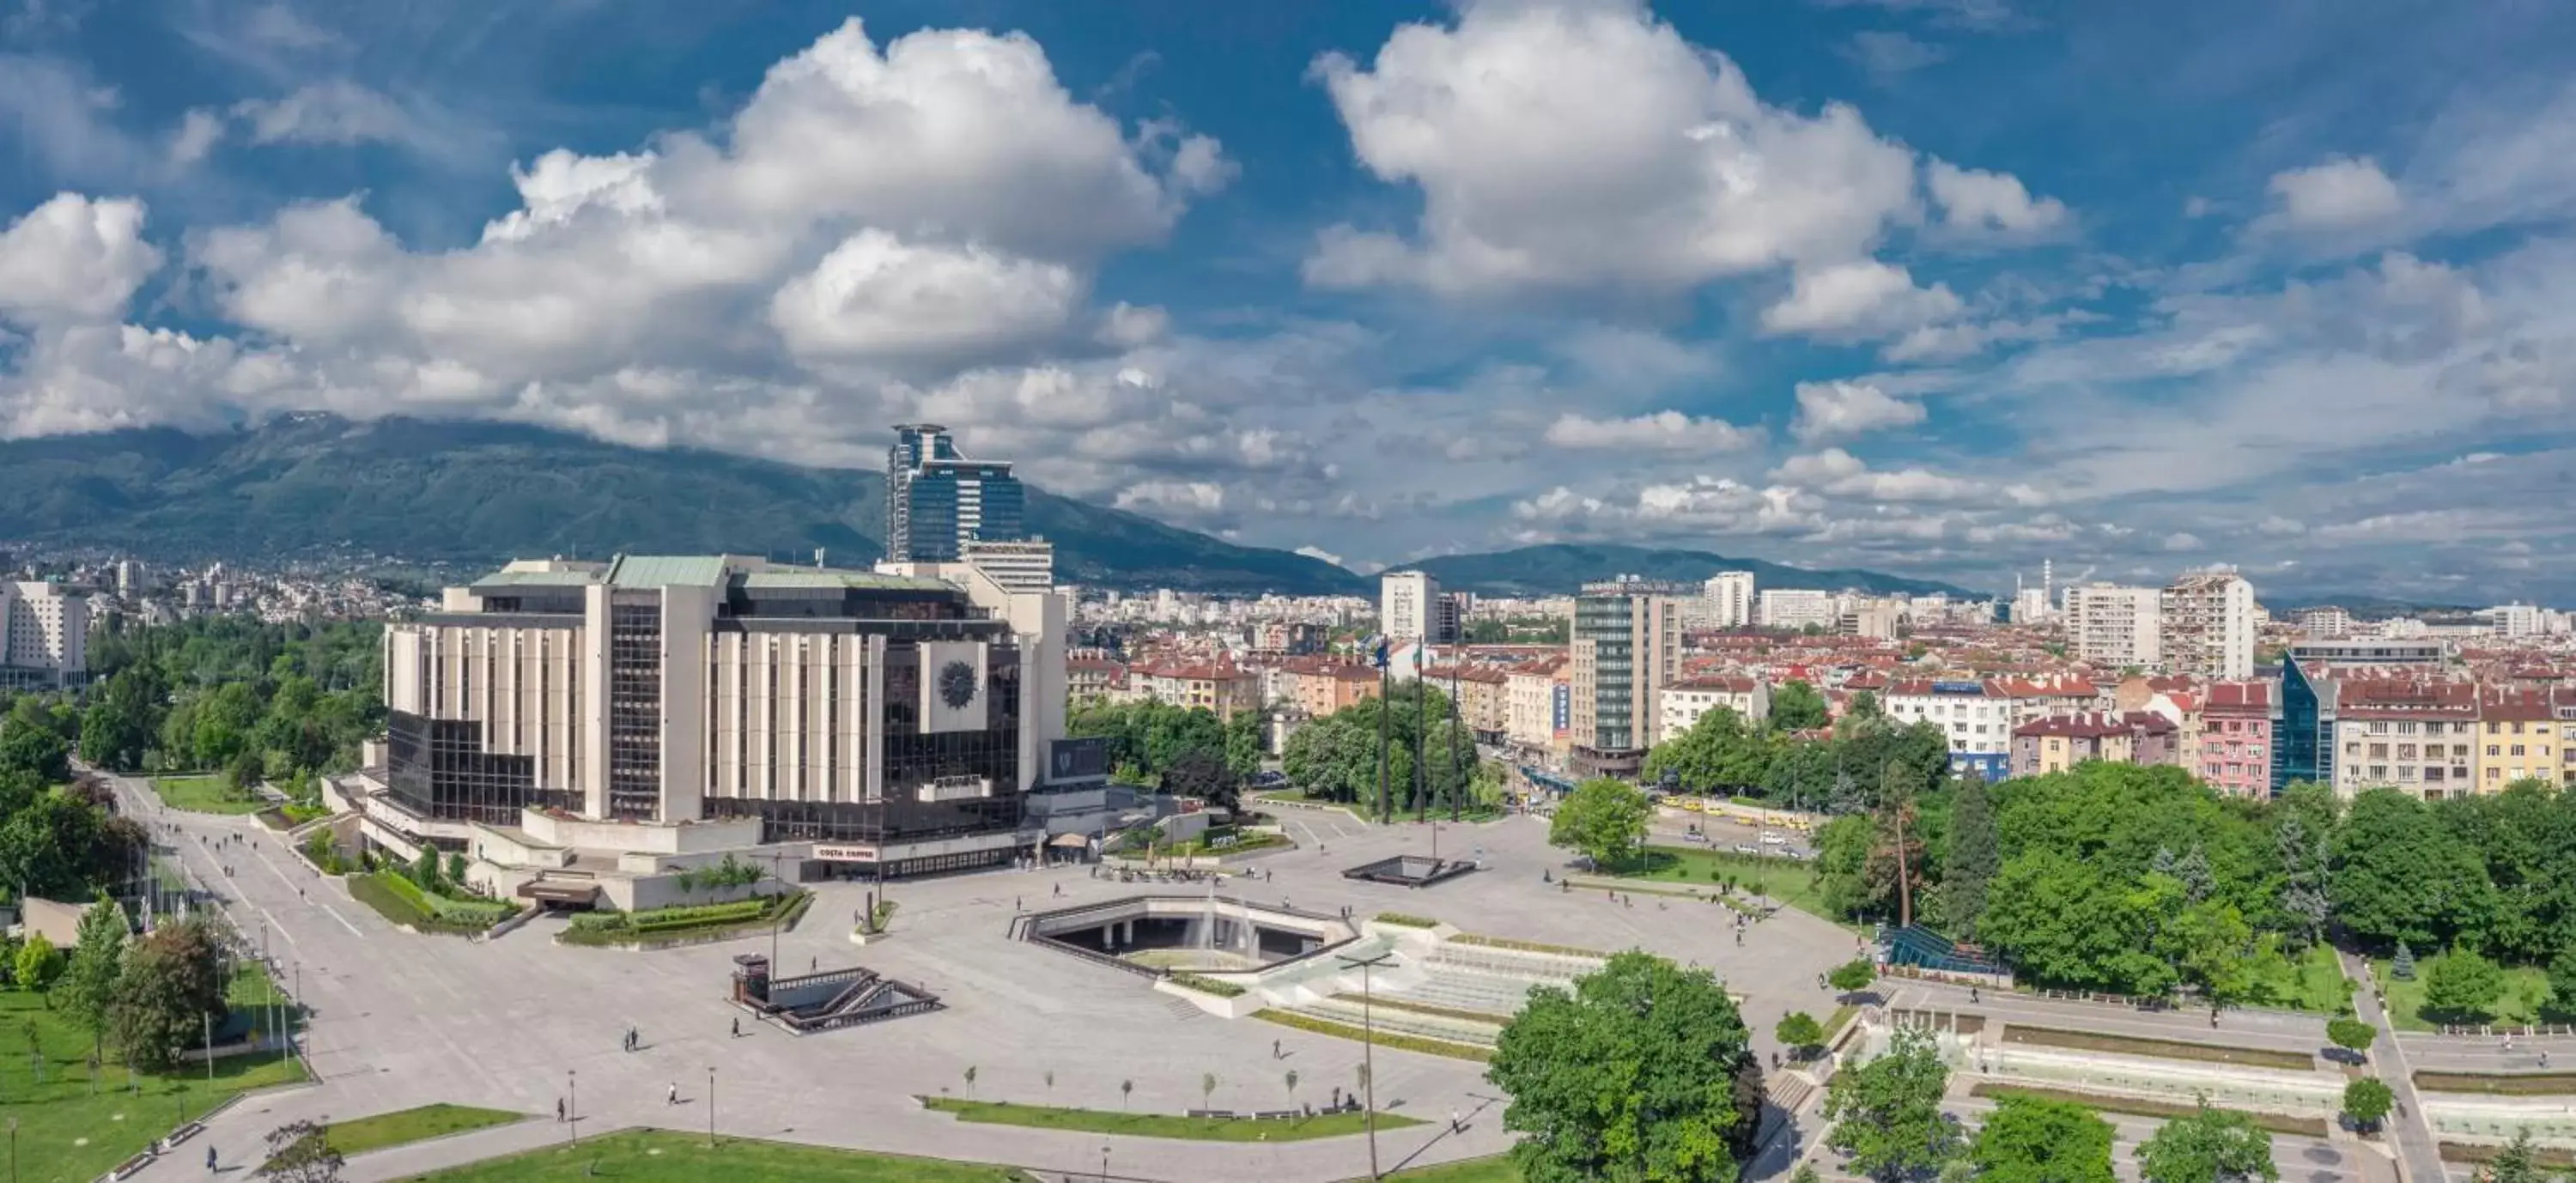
892 720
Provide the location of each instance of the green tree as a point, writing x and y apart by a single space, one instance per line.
2463 987
1973 859
1718 752
2208 1146
57 848
1635 1074
1202 773
2562 983
2210 944
2367 1101
1852 977
2401 876
2517 1162
2029 1140
1604 819
1887 1112
1246 740
29 748
1796 706
88 986
2402 966
300 1152
172 986
38 964
1800 1033
245 772
2352 1035
456 869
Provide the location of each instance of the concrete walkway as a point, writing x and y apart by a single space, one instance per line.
2419 1152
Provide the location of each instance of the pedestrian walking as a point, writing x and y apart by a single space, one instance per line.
1274 1049
210 1160
559 1110
1453 1121
737 1026
812 963
673 1097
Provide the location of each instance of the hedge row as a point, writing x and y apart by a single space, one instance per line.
1207 985
654 919
1402 920
484 912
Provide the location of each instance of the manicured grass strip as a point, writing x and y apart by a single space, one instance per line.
2312 1127
66 1131
1787 880
2162 1049
664 1156
1410 1043
1528 946
1425 1008
2529 1084
1496 1169
1207 985
1834 1022
413 1125
1164 1125
206 794
1401 920
665 927
2544 1157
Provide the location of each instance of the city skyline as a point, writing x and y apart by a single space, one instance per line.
1935 288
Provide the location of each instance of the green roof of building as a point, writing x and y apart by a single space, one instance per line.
830 579
538 579
667 571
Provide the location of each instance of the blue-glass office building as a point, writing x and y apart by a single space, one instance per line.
936 499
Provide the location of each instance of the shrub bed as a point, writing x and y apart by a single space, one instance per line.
2529 1084
2163 1049
376 891
2311 1127
1404 921
446 907
1206 985
658 924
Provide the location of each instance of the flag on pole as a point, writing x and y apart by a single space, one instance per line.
1380 658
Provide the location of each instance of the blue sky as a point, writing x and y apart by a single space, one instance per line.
1934 286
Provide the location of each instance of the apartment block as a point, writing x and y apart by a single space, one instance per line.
1681 703
44 634
1410 606
2421 737
1796 608
1977 716
2235 749
2114 627
2051 745
2206 626
2519 738
1728 599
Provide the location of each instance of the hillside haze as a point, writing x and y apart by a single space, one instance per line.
468 492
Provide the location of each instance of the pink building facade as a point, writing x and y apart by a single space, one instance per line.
2236 738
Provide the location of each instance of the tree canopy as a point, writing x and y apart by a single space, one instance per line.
1638 1073
1603 819
2208 1146
1887 1112
2031 1140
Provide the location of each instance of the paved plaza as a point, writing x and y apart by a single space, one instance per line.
517 1022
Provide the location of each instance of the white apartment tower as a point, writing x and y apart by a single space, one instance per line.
44 634
2206 626
1018 564
1409 606
1795 608
2114 627
1729 599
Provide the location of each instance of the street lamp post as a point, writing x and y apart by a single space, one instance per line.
711 1107
1104 1158
1368 1047
572 1111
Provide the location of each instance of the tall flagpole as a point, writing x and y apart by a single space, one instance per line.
1421 777
1456 720
1385 704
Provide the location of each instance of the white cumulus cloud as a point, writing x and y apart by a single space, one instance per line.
2340 194
1841 410
1663 431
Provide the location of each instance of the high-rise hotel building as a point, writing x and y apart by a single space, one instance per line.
895 718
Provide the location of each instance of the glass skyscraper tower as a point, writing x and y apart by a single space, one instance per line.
937 500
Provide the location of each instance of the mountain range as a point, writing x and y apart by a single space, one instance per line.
1561 568
447 493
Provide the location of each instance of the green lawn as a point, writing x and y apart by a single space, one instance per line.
211 793
1164 1125
1496 1169
413 1125
2314 982
1785 880
662 1156
2526 991
70 1134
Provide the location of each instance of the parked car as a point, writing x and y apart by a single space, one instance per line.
1742 848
